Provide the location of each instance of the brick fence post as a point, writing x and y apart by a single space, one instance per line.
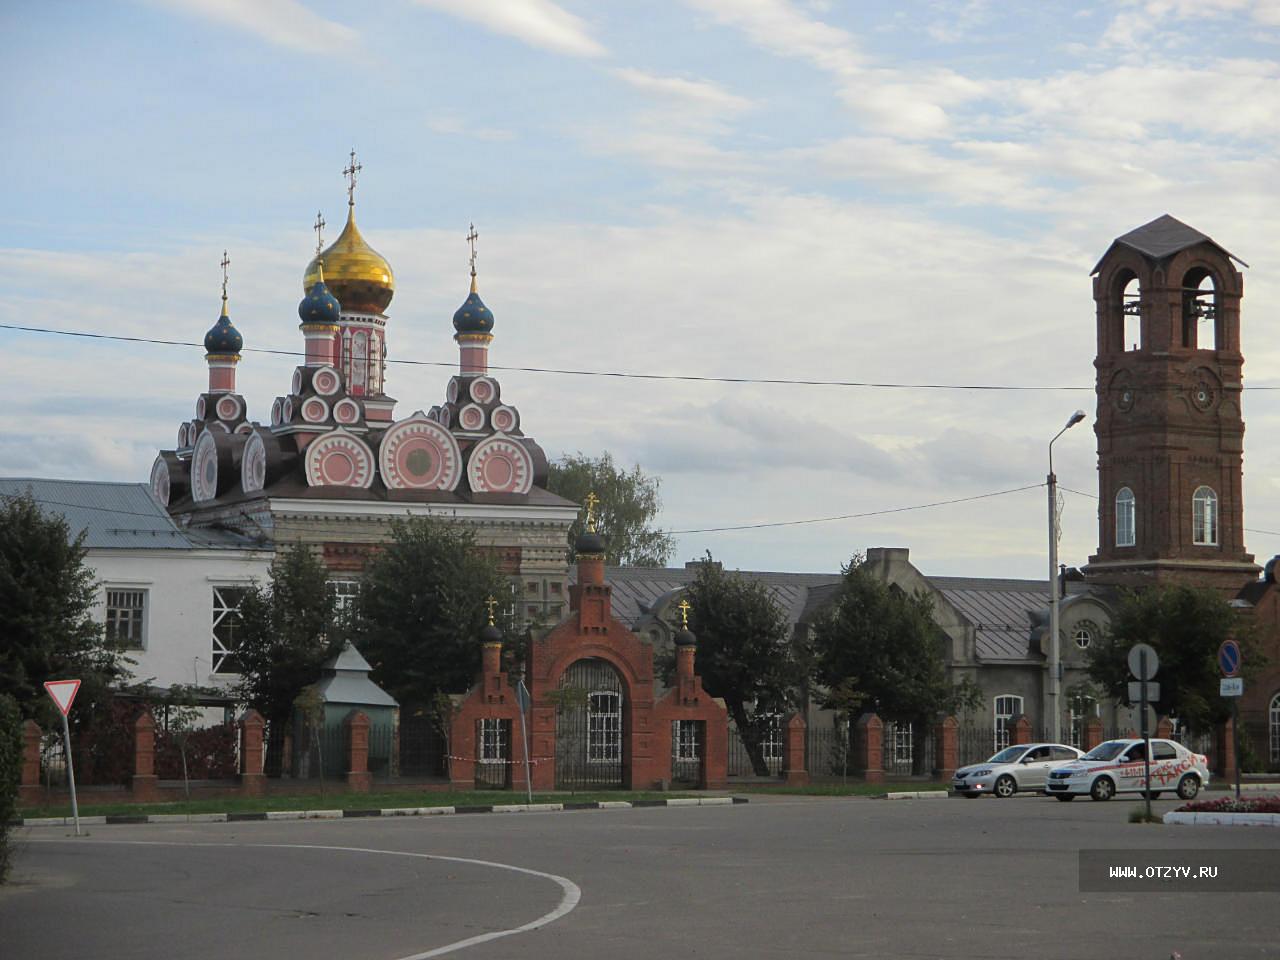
1224 754
29 790
144 786
794 772
870 752
1020 731
1092 733
359 779
946 748
1164 729
252 779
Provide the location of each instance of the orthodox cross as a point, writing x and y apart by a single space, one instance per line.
491 603
684 612
226 262
350 172
592 500
318 227
472 237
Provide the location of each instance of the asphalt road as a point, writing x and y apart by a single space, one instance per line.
789 877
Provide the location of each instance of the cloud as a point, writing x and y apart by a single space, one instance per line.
539 23
697 94
1144 23
285 23
778 26
451 125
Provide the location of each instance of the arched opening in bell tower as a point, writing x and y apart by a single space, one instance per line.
1130 311
1199 310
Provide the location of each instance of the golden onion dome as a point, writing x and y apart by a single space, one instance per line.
354 272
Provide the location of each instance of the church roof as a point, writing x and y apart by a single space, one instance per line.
121 516
1162 238
999 610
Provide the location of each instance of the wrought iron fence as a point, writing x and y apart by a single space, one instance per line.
421 750
740 764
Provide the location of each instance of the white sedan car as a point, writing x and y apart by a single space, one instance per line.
1118 766
1021 767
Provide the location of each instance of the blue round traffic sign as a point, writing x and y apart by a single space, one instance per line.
1229 658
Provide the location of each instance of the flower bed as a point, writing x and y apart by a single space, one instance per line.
1232 805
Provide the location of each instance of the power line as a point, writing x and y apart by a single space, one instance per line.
858 516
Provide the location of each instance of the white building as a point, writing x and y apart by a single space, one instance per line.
168 593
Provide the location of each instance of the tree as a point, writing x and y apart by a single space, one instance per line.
47 629
744 652
1185 625
629 504
878 647
288 631
10 774
422 607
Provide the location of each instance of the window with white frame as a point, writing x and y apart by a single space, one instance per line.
1081 708
1085 633
493 740
1274 724
771 743
604 726
1204 516
344 594
685 739
1125 534
227 624
126 620
900 739
1007 706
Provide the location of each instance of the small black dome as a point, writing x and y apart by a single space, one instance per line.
491 634
685 638
589 542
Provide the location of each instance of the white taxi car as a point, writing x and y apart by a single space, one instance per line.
1118 766
1021 767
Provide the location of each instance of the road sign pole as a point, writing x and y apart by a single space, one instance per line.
1235 739
71 772
1146 732
522 698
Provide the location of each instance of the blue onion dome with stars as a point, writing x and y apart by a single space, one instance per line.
319 305
473 316
223 337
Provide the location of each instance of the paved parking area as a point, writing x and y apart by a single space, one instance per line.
782 877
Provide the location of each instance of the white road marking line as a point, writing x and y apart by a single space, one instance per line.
572 892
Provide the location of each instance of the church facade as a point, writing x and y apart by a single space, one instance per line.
335 462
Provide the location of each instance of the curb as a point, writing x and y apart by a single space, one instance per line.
351 814
1225 819
914 795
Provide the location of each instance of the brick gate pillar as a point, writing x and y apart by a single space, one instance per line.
794 772
869 738
29 790
946 748
1092 733
252 780
144 784
359 779
1164 729
1020 730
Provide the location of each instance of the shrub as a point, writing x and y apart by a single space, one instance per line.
10 772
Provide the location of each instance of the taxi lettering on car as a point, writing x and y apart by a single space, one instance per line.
1119 766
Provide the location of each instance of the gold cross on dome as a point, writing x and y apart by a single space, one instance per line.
472 237
350 172
684 606
226 262
318 227
491 603
592 500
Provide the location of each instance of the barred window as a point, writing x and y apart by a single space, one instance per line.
226 628
604 726
686 739
493 740
126 618
345 593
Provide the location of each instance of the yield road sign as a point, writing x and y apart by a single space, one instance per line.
1229 658
1231 687
1136 658
63 693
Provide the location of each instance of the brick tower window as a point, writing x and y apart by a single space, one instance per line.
1124 518
1199 310
1204 516
1131 313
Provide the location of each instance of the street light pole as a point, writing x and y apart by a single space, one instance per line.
1055 653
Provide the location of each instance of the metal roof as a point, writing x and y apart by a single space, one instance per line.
122 516
999 610
1163 237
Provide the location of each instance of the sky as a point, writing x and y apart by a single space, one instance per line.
909 193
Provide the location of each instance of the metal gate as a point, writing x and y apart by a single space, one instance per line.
493 760
589 727
688 742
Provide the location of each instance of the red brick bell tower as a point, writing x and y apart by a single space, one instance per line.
1169 423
